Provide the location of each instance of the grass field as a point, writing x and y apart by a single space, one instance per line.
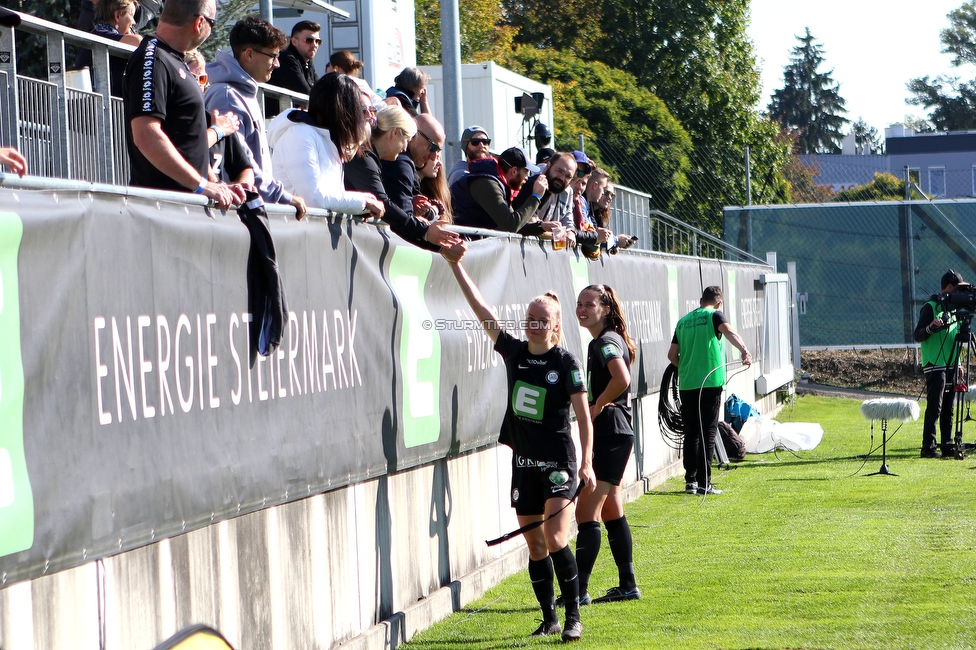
802 551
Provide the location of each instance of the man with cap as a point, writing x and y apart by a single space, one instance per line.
474 145
936 331
482 198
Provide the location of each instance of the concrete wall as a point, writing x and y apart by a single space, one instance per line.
368 565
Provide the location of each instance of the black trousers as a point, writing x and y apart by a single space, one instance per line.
940 391
699 416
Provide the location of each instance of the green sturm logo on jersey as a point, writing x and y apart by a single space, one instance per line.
420 348
528 401
610 351
16 496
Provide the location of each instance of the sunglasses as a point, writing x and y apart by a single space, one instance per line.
201 78
267 54
432 147
479 141
310 40
582 173
210 21
608 193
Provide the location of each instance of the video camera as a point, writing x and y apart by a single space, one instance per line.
962 299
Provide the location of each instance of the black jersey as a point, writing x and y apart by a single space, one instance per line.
603 349
159 84
539 390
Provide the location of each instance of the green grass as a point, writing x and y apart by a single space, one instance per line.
802 551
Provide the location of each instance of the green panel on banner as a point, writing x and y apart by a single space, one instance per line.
16 497
420 347
730 302
581 279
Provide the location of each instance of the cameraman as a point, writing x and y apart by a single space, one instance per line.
936 331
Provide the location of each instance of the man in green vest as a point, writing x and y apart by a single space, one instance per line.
936 331
698 351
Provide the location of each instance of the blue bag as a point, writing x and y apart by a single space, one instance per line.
737 411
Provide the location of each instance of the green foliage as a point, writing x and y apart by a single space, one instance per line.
809 103
951 103
626 128
228 13
883 187
795 549
483 36
569 25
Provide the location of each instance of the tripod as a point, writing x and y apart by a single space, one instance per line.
964 341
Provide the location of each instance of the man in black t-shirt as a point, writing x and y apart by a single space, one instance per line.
166 129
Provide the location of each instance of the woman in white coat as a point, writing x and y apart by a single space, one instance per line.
309 148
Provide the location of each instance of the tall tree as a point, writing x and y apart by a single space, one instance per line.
950 102
809 104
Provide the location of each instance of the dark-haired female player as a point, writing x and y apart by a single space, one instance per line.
609 357
543 381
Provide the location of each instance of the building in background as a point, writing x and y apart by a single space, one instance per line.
943 164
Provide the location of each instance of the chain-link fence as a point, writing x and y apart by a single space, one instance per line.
691 185
863 270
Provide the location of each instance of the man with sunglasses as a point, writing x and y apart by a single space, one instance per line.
401 176
474 145
234 78
166 124
297 68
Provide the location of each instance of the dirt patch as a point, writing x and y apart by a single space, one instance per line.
886 371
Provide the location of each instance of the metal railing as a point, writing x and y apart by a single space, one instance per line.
66 132
659 232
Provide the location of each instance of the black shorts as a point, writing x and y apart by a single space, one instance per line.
533 482
611 453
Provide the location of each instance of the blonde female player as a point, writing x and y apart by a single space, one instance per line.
609 357
544 380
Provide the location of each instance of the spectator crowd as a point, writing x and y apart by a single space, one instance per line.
199 127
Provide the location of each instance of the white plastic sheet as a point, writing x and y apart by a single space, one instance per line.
763 434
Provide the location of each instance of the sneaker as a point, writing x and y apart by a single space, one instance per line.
691 488
573 631
546 628
584 600
618 593
710 489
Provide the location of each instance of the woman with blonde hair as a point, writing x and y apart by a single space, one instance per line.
544 382
389 138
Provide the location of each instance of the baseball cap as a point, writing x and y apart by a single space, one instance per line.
951 277
582 160
516 157
469 133
543 155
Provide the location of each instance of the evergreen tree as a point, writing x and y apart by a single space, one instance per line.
809 103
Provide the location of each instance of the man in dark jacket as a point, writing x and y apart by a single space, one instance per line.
297 69
483 197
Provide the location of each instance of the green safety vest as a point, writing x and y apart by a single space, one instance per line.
699 351
938 348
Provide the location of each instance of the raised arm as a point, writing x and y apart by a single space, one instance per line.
736 341
471 293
